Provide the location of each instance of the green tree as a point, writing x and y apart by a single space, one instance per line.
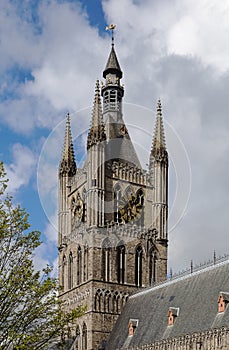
31 315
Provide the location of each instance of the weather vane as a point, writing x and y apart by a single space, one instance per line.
111 27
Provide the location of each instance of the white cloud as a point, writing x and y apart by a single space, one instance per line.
21 170
176 50
201 30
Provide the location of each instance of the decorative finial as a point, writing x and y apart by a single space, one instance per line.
159 107
111 27
97 87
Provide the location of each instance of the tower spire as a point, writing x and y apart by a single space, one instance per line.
97 130
112 65
158 151
67 163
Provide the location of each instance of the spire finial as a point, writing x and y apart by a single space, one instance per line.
97 130
159 107
67 164
111 27
158 150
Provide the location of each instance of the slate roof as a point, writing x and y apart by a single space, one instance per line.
122 149
112 65
196 296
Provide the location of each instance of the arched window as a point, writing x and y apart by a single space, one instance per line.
63 271
76 343
138 266
106 260
84 218
106 101
79 265
70 271
117 198
85 263
113 99
121 261
98 300
140 196
84 337
152 266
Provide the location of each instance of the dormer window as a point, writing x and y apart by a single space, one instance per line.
172 314
133 324
223 299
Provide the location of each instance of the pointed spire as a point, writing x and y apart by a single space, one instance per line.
112 65
67 164
158 151
97 130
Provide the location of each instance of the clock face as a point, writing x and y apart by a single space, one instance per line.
132 209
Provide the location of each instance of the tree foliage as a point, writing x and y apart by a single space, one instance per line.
31 315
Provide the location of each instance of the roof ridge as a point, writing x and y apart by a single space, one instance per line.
181 278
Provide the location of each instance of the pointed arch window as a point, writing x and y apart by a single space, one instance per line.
106 260
63 271
121 262
84 337
79 265
84 218
117 199
106 101
85 263
138 266
70 271
76 344
152 266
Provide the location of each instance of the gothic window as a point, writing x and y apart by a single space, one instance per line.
106 259
84 337
152 266
105 101
107 301
70 271
77 338
63 271
98 300
140 197
79 265
117 199
84 218
113 99
116 303
85 263
119 101
138 266
121 261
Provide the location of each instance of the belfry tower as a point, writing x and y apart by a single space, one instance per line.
112 215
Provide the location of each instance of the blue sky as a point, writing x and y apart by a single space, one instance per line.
51 54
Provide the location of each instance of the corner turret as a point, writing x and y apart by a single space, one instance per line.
97 129
158 170
67 164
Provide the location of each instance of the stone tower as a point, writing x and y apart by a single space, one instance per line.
112 215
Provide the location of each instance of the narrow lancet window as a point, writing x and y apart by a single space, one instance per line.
84 337
70 271
106 260
63 272
152 266
86 263
121 257
117 198
79 265
138 266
